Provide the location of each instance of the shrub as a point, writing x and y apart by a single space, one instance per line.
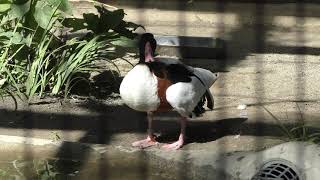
36 59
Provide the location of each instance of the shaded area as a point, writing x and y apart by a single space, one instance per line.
176 4
119 119
202 131
100 84
105 121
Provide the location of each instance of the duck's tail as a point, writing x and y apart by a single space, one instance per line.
208 96
205 76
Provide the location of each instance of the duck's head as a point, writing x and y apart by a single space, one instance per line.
147 47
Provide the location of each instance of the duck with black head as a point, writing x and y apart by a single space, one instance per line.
163 84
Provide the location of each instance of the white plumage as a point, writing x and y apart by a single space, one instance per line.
139 89
184 96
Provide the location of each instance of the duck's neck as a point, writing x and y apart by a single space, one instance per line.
149 58
148 54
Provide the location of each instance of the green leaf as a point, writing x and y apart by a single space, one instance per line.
19 10
64 5
2 81
43 14
5 1
28 40
4 7
16 38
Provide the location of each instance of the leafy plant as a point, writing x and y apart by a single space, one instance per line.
23 29
80 61
35 59
9 77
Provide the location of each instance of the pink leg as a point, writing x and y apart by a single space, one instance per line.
150 140
178 144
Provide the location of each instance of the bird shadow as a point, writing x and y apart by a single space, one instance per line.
201 131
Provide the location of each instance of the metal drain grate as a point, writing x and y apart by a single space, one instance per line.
278 169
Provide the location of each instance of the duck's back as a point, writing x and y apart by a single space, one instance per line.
139 89
184 96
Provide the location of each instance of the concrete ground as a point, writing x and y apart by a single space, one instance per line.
272 66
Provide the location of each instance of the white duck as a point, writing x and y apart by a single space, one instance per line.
161 84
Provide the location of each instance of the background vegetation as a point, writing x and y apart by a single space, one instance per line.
36 58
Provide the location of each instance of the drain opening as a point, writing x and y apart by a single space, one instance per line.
278 169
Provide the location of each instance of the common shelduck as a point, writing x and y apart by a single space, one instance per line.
162 84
